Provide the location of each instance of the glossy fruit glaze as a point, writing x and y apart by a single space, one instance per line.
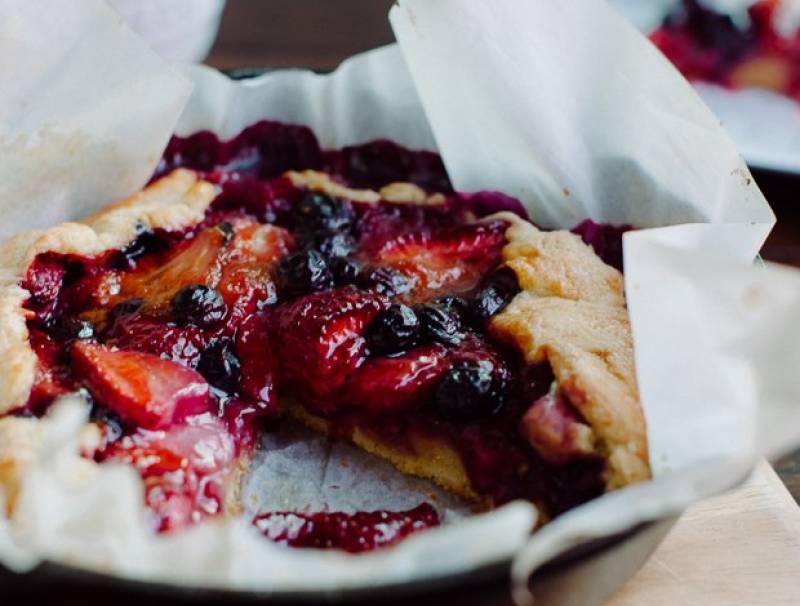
352 532
371 315
712 47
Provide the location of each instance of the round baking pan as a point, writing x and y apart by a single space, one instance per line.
615 559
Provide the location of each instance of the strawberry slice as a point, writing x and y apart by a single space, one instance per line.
52 375
183 469
149 459
399 383
201 260
258 362
167 481
451 259
182 344
169 501
321 340
234 257
196 262
245 281
555 430
203 446
141 388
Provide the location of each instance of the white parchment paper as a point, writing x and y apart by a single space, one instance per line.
566 106
765 125
86 109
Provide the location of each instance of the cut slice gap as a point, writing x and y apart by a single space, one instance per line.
298 469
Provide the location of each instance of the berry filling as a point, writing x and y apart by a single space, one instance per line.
354 533
713 47
369 315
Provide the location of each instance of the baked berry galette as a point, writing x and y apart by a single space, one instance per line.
712 47
262 279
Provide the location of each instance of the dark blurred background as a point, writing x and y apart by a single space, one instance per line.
316 34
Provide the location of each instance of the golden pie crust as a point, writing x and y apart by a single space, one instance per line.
571 312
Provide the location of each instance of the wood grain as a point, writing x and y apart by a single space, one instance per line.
739 548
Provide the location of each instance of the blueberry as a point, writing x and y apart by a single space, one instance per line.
458 305
200 305
335 245
394 330
440 324
126 308
110 424
220 366
72 329
497 292
345 270
384 280
303 272
470 390
227 230
146 242
320 212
